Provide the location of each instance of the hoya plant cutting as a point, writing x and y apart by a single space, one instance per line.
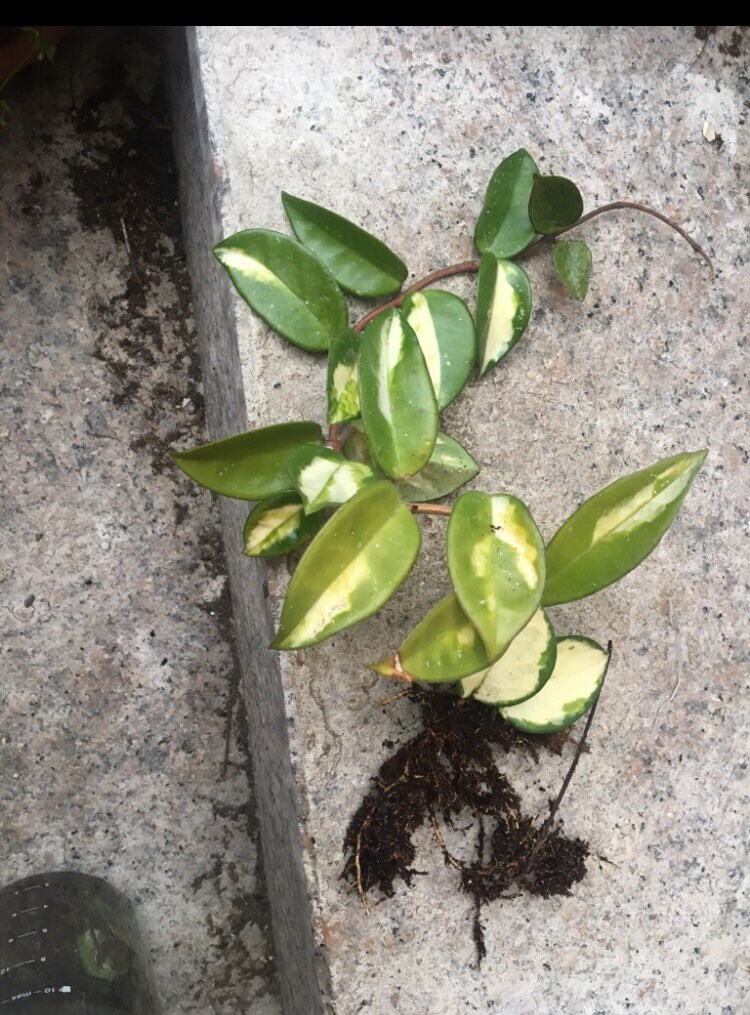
346 502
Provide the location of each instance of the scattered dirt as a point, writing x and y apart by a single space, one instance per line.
448 774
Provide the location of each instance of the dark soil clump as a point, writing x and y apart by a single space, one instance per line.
448 773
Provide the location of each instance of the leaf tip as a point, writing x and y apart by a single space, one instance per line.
391 667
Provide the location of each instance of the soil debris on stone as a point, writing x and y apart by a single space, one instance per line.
448 775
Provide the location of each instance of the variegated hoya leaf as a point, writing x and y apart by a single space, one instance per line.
286 285
278 525
399 411
324 478
617 528
496 563
442 648
503 226
445 330
450 467
352 567
580 669
343 377
503 309
522 671
359 262
249 466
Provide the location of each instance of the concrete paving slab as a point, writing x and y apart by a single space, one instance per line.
119 680
399 128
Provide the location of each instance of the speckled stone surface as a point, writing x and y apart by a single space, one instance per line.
118 674
399 129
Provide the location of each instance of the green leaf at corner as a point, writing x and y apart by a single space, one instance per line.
359 262
555 203
352 567
504 227
399 411
445 330
503 309
613 531
573 265
496 563
442 648
286 285
450 467
278 525
325 478
343 377
248 466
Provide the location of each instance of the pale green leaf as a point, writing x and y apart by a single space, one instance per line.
573 265
251 465
278 525
503 309
442 648
617 528
399 411
352 567
496 563
286 285
580 669
324 478
445 330
359 262
503 226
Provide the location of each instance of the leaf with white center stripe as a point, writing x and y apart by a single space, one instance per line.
496 563
399 411
521 671
574 686
359 262
325 478
442 648
286 285
617 528
503 309
352 567
249 466
445 330
503 226
343 377
278 525
449 467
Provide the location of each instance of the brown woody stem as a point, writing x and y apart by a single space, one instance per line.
429 509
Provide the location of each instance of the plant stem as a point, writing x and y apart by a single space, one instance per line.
618 206
465 267
429 509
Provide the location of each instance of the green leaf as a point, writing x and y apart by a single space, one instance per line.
359 262
574 686
286 285
399 410
449 467
573 264
356 448
443 647
343 377
352 567
555 203
278 525
445 329
325 478
503 227
617 528
503 309
522 671
496 563
251 465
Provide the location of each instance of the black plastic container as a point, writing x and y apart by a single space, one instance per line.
70 943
